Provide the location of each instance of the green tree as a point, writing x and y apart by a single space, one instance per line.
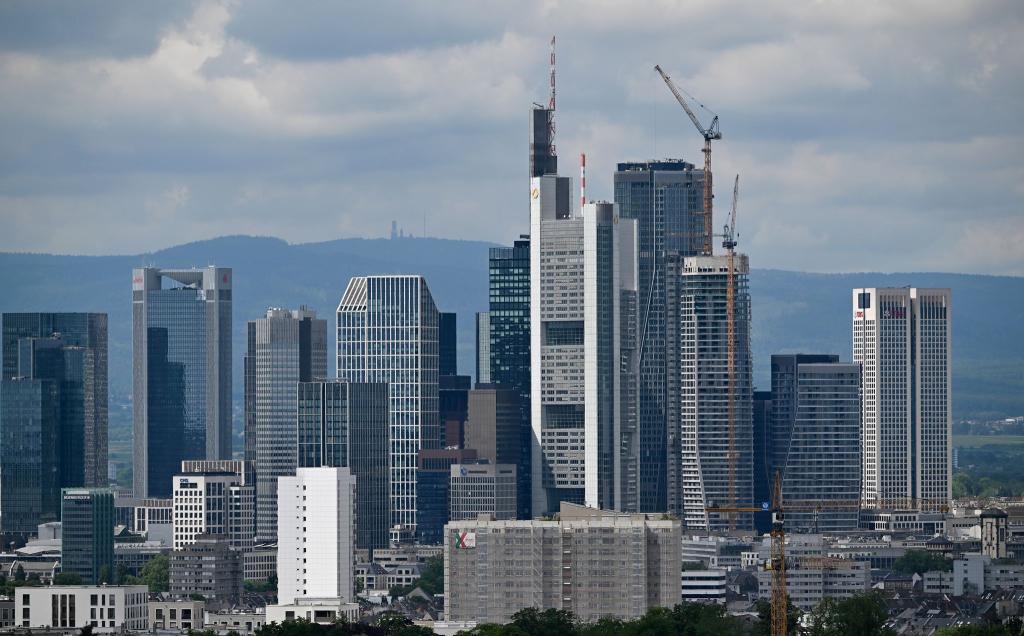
705 619
978 630
105 574
156 573
863 615
19 573
549 622
921 561
764 613
67 578
85 631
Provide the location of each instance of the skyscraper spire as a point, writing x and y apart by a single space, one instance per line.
551 100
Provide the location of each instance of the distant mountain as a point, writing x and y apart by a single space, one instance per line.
792 311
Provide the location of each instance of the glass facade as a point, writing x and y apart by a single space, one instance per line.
181 340
814 439
665 198
345 424
284 348
29 469
388 332
87 534
82 373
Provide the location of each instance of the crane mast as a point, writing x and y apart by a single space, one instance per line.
780 602
729 243
710 133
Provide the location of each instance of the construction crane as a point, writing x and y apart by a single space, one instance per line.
777 562
729 237
710 133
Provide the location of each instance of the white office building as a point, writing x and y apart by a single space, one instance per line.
583 347
216 498
388 332
901 337
316 535
105 608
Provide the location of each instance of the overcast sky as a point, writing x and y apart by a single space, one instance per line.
881 136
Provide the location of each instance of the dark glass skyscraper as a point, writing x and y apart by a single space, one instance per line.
814 440
181 347
447 347
29 452
665 199
509 322
345 424
87 534
78 363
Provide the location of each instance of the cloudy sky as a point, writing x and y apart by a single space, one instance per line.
869 135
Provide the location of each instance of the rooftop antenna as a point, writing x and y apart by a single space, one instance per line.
551 100
583 181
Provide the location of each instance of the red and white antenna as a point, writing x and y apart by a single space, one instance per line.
551 100
583 180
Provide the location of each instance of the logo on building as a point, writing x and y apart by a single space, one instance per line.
464 540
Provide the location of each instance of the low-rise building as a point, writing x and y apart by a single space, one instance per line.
594 563
260 563
208 567
241 621
936 582
105 608
315 610
704 586
175 613
132 557
6 612
811 574
976 574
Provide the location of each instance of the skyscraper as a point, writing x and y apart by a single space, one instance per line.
665 199
583 345
542 151
214 499
483 347
902 338
814 440
87 534
29 454
447 347
700 443
316 533
82 386
509 342
387 332
345 425
284 348
181 349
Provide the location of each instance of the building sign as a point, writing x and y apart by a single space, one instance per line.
464 540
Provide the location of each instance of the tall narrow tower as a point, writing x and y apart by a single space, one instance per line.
699 446
902 338
181 350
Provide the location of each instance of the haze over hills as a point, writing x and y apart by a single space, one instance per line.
792 311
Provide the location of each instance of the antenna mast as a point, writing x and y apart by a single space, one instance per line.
583 181
551 99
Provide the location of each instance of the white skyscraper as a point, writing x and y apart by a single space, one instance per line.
901 337
583 309
700 443
388 332
316 535
215 497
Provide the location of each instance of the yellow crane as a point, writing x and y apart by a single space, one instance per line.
710 133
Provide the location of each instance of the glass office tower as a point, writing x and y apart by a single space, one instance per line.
388 332
283 348
181 347
345 425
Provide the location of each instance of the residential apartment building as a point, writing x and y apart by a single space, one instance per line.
594 563
710 438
